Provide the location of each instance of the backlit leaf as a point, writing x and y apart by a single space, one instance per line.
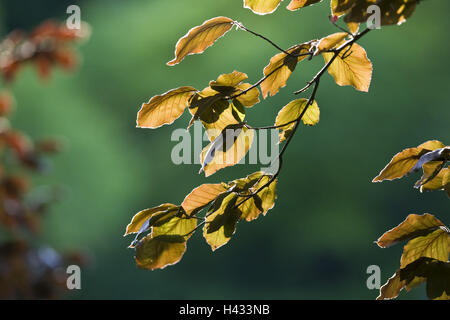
341 7
225 83
201 37
166 243
141 217
159 251
214 112
178 225
431 163
250 98
221 222
261 202
440 181
351 67
202 196
436 273
392 11
392 287
292 111
213 106
330 42
434 245
281 67
430 171
404 161
165 108
262 6
227 149
353 27
297 4
414 225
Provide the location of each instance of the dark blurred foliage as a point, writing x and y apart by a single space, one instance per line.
29 269
317 242
33 273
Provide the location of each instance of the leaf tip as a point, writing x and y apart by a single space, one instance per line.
171 63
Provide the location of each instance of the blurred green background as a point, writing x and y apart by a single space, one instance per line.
319 239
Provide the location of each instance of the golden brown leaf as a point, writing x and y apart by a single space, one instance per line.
159 251
351 68
201 37
261 202
281 67
391 288
227 149
214 112
213 106
225 83
141 217
430 171
440 181
330 42
392 11
180 225
353 27
413 226
250 98
221 221
202 196
436 273
341 7
166 244
298 4
262 6
165 108
434 245
403 162
292 111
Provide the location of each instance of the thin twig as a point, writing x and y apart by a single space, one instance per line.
242 27
315 81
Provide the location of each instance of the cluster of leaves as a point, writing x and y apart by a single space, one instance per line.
431 157
426 254
354 11
221 109
27 271
47 45
169 226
